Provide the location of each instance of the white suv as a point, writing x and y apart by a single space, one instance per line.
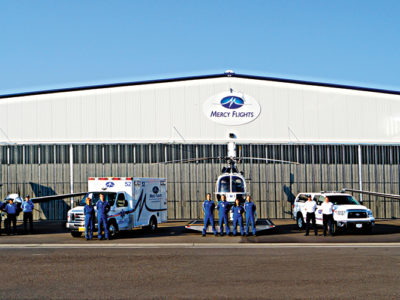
348 212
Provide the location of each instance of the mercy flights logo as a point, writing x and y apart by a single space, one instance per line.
232 102
231 108
110 184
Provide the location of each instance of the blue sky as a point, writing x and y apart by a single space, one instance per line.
56 44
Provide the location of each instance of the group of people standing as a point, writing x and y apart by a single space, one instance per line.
327 215
13 211
224 207
103 207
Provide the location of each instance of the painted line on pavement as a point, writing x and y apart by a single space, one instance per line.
200 245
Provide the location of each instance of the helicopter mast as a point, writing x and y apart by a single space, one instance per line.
231 150
232 155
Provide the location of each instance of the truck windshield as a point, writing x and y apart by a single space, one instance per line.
110 197
343 200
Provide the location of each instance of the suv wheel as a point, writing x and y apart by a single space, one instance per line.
76 233
300 221
368 229
334 228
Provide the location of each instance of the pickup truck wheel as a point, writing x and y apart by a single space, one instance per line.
112 229
300 221
152 224
368 229
76 233
334 228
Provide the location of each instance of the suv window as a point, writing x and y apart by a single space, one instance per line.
320 199
302 198
343 200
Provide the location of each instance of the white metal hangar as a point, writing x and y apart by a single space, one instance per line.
342 136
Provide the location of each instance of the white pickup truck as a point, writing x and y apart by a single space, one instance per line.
135 202
348 212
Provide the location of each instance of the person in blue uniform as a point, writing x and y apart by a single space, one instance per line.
237 211
250 209
103 207
2 207
27 209
223 209
208 209
11 209
89 218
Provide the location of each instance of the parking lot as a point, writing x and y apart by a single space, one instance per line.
174 263
385 231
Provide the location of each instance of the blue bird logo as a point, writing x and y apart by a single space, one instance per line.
110 184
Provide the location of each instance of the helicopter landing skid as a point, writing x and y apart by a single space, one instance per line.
261 225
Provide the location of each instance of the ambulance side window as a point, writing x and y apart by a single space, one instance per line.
110 198
121 202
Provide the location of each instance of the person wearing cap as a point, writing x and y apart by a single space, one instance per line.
250 209
103 207
89 217
327 215
27 209
310 206
11 209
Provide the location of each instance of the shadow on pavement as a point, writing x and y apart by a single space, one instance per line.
284 230
39 227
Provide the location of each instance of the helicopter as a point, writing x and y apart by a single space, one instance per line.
231 182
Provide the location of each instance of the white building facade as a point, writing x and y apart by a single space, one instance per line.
339 134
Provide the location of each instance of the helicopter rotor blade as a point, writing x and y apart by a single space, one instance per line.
189 160
270 159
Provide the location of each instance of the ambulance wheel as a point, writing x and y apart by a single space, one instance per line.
300 221
152 224
113 229
76 233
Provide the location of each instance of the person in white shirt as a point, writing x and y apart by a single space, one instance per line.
310 206
327 215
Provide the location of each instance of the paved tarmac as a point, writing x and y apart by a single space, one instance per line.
175 264
385 231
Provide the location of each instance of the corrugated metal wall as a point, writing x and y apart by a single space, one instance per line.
45 170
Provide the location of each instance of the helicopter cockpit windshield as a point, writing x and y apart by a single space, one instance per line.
224 184
231 184
237 185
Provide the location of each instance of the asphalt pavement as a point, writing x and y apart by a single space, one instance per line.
177 264
385 231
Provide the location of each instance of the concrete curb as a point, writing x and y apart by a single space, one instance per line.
200 245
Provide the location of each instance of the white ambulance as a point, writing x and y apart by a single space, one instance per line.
134 202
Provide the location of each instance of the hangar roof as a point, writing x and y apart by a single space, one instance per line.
265 78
